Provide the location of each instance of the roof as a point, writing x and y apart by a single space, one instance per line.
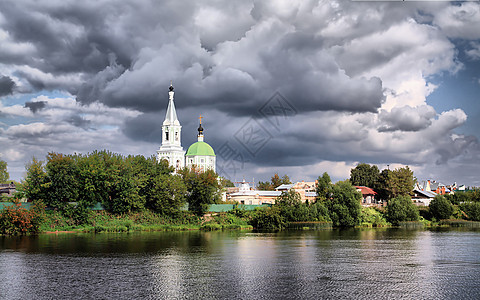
260 193
425 193
171 115
366 190
200 148
284 187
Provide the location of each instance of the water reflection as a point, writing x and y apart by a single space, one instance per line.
351 264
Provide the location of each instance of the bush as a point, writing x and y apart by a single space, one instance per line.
268 218
472 210
401 209
440 208
372 217
17 220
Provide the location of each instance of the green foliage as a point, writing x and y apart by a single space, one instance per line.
224 182
372 217
275 181
16 220
76 214
293 210
440 208
62 173
401 208
3 172
202 189
268 218
472 210
344 204
324 185
399 182
464 196
166 193
364 175
36 183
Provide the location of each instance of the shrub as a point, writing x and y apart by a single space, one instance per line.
268 218
401 209
372 217
17 220
441 208
472 210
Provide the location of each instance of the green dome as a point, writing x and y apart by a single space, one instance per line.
200 148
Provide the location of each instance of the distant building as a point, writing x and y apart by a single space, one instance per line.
369 196
422 198
247 195
7 189
199 153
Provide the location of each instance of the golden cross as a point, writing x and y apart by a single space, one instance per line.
200 118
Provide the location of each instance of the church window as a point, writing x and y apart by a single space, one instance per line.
176 136
201 160
166 136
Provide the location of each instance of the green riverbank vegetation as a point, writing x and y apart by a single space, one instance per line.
141 194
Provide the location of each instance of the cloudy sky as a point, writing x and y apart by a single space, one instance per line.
295 87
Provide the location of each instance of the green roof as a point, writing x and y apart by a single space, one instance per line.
200 148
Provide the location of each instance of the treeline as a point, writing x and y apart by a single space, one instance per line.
387 183
121 183
338 203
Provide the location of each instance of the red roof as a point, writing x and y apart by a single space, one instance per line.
366 190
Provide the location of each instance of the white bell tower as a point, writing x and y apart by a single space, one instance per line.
171 148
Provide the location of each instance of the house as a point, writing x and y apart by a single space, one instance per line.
422 198
369 196
306 190
247 195
7 189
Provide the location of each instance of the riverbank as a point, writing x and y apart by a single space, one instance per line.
101 221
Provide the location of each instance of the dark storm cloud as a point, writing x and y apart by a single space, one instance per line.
407 118
35 106
6 85
145 127
152 46
78 121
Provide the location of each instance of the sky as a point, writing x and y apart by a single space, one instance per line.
289 87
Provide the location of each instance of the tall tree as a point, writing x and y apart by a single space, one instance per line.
275 182
344 204
62 173
36 182
202 189
3 172
364 175
324 184
399 182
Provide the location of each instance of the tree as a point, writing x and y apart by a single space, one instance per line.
364 175
440 207
36 182
62 173
166 194
275 181
324 184
344 204
202 189
399 182
401 208
3 172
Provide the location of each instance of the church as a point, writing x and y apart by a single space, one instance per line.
199 154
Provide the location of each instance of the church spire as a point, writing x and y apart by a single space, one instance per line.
171 116
200 130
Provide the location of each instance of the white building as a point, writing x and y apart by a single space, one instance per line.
199 154
171 148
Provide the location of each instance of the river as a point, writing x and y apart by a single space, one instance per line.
324 264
